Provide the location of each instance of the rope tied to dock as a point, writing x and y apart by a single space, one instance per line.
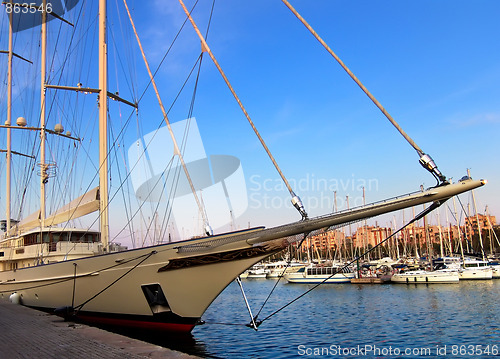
80 306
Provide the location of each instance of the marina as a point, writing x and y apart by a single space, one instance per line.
420 318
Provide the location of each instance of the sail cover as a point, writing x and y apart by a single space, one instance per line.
83 205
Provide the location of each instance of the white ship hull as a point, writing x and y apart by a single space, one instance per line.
337 278
421 276
476 274
495 271
474 269
314 275
113 289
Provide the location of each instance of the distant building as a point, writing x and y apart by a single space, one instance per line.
370 236
484 222
327 240
428 237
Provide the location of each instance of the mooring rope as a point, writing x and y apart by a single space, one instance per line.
425 160
79 307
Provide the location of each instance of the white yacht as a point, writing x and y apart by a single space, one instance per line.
318 274
426 277
280 268
475 269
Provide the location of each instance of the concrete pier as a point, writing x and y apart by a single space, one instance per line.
28 333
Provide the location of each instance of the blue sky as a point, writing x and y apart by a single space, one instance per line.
435 66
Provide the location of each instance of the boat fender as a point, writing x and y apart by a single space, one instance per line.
15 298
67 312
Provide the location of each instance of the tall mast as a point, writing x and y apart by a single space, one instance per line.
43 167
9 122
458 228
103 126
477 220
441 244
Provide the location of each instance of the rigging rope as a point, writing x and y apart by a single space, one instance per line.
297 203
425 160
208 230
279 279
79 307
422 214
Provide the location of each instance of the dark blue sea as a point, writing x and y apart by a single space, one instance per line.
351 321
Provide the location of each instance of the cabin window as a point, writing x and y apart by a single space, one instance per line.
1 254
46 237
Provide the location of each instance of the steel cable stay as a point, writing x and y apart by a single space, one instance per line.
255 323
146 146
120 134
422 214
88 274
177 152
425 160
279 278
296 201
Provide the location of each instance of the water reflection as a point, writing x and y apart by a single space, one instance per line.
397 315
185 343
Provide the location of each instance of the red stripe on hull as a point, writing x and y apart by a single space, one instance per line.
138 324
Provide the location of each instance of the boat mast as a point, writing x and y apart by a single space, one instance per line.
458 230
441 244
43 166
9 122
177 152
103 127
477 220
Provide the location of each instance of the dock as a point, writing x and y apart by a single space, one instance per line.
371 280
28 333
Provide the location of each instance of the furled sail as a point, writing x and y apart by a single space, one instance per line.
32 221
81 206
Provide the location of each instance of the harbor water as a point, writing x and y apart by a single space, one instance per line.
459 320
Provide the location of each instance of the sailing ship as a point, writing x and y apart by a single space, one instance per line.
48 263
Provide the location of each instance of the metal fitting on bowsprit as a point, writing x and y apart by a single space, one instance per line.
428 163
297 203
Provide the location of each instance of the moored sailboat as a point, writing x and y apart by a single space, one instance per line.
426 277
